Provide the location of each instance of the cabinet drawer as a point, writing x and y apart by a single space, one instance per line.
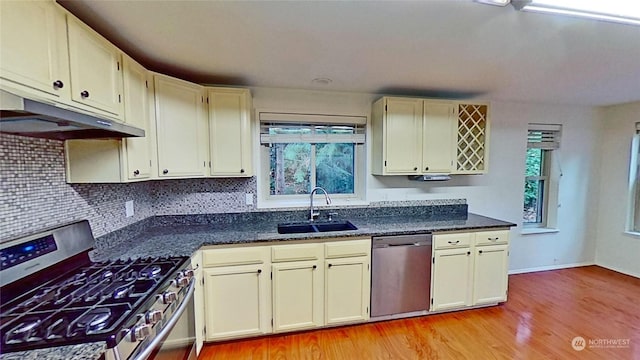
235 256
492 237
347 248
448 241
296 252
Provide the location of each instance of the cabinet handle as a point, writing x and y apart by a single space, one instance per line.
136 172
58 84
259 271
493 239
453 242
315 266
241 171
415 169
84 94
165 171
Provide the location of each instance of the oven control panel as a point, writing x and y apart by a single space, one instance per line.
26 251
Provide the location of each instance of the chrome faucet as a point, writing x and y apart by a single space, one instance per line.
314 214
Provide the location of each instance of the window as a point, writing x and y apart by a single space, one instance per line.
302 151
540 187
633 221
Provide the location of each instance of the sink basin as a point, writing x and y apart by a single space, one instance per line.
313 227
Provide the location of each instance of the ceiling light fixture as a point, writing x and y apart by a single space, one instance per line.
494 2
321 81
617 11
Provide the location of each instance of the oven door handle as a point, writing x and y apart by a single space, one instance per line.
170 324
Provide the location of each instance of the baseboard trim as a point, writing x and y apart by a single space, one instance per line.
617 269
551 267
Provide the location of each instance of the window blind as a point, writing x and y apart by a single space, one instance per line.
544 136
308 128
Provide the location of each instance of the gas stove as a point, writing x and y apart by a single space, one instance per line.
53 295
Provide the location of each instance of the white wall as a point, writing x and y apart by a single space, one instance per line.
616 250
499 193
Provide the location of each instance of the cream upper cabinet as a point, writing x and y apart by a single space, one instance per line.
452 274
136 88
438 134
347 281
472 140
297 288
397 136
96 69
116 160
230 132
236 285
181 128
34 57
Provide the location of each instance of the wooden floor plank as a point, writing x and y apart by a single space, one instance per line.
545 312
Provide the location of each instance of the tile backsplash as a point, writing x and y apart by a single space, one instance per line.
34 194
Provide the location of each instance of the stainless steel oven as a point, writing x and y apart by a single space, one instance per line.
52 295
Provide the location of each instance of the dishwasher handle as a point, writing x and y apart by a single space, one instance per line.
413 244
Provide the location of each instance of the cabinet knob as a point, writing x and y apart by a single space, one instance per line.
241 171
84 94
468 252
136 172
426 169
314 266
415 169
480 252
58 84
259 271
165 171
330 265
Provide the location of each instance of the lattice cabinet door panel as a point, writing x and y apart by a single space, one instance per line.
473 139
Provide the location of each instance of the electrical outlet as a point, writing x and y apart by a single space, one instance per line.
128 208
248 199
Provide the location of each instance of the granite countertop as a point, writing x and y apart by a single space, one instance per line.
90 351
185 239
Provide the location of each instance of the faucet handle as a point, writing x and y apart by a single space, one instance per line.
331 215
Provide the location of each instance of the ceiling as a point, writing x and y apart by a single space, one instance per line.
435 48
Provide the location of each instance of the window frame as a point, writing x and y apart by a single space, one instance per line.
266 200
633 210
549 142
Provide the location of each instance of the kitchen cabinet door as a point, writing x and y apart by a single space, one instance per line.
96 71
347 290
236 301
491 266
136 106
452 276
297 295
34 54
438 136
198 299
230 132
181 128
402 136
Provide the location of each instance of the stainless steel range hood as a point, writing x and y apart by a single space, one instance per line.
26 117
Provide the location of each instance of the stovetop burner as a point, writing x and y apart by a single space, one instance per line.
91 303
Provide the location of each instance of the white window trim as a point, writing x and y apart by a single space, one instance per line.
634 170
551 205
265 200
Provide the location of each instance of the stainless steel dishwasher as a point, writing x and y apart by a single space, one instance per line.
400 274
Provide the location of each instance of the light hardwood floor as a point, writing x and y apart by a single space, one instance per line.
544 313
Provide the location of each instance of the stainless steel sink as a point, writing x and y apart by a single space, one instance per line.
312 227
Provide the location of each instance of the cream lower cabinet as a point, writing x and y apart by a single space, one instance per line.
198 299
297 287
236 289
469 269
347 281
